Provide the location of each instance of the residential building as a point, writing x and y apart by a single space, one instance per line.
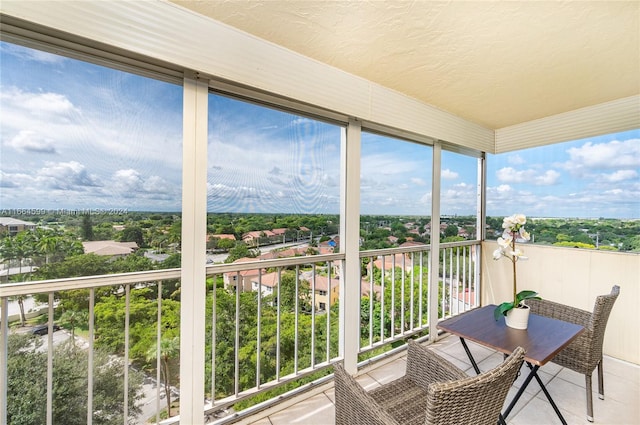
13 226
110 248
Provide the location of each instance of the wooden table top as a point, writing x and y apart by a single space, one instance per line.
542 340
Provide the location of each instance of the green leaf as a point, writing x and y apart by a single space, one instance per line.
502 309
526 295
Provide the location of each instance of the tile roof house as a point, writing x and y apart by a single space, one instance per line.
13 226
109 248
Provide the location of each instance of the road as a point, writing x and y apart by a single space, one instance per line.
219 258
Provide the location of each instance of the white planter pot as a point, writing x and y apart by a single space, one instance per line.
518 318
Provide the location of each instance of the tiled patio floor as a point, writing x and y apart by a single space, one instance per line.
621 405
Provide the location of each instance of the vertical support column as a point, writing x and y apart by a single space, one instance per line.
481 228
350 245
434 266
481 213
194 221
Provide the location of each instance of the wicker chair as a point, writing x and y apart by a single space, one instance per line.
432 391
585 352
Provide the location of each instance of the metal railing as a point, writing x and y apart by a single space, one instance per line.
86 293
271 324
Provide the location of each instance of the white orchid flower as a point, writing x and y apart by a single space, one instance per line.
524 234
519 254
497 254
520 219
504 242
507 223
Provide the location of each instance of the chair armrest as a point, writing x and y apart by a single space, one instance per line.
425 367
562 312
353 405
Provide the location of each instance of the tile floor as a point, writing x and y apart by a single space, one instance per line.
620 407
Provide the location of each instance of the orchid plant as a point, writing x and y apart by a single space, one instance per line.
513 229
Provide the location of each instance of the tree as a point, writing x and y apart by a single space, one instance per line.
47 244
287 293
132 234
226 244
169 351
241 250
75 266
87 228
72 319
7 253
78 265
23 247
27 384
110 314
451 230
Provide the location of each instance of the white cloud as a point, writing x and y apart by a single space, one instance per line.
530 176
612 155
447 174
459 197
503 188
31 141
67 176
127 182
36 104
418 181
511 175
549 177
620 175
515 159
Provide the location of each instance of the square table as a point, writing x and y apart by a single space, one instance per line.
542 340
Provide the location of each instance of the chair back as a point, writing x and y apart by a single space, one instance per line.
354 406
600 317
476 400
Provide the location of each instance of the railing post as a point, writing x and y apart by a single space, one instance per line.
4 347
434 266
193 275
350 246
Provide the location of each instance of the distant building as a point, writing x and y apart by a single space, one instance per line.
222 236
13 226
267 283
255 237
110 248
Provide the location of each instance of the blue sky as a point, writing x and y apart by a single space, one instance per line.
81 136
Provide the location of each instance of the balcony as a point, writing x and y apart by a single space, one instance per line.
304 353
566 387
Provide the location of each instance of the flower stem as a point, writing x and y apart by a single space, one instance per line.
514 258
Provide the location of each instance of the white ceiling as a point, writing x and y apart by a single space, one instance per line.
495 63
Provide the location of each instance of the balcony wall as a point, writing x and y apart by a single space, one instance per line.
574 277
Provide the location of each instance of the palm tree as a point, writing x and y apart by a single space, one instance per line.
48 244
23 247
169 349
7 252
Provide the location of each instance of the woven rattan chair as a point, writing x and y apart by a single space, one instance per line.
585 352
432 391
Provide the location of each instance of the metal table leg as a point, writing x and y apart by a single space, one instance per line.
534 374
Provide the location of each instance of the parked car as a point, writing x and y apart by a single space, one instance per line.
44 329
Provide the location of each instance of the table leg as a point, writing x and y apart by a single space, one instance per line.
471 359
546 393
520 391
534 374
